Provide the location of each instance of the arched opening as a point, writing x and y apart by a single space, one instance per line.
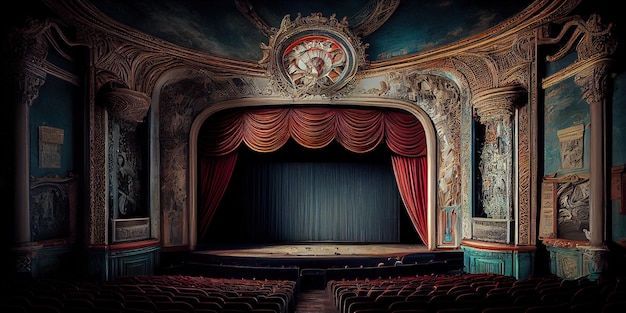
428 169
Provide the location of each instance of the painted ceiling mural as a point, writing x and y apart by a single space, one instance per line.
224 27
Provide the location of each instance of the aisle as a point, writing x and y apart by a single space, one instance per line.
314 301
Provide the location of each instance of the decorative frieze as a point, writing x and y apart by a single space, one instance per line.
50 143
491 230
571 140
53 202
131 229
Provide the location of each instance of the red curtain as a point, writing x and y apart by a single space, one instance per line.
215 174
358 130
411 175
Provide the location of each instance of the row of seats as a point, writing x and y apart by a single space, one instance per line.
421 293
143 294
477 293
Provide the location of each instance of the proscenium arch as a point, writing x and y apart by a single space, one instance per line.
429 131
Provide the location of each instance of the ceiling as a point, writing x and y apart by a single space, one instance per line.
223 28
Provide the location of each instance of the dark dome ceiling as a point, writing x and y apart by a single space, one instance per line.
230 28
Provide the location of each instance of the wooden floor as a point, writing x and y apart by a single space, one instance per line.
312 250
319 255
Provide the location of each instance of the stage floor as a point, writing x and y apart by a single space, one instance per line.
332 260
312 250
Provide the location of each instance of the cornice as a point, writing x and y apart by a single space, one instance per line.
483 54
88 20
538 13
575 68
81 13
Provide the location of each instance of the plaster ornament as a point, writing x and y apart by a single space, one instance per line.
312 56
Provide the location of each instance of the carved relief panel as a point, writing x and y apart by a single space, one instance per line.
53 203
571 140
180 102
569 208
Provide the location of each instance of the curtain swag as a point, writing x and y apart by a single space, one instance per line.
358 130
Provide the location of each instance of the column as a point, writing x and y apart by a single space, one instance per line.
30 84
25 52
27 70
494 109
592 80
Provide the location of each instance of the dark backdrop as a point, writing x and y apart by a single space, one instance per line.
312 195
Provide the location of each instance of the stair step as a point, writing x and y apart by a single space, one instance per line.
314 301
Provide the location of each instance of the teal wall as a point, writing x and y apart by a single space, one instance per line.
53 108
564 107
618 152
618 112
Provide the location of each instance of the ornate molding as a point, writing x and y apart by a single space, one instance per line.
312 56
496 103
28 48
126 104
594 43
593 82
590 39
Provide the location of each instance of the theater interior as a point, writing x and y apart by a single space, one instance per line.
359 156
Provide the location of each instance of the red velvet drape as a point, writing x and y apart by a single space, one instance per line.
358 130
411 175
215 173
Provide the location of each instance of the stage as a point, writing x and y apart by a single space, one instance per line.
319 261
314 250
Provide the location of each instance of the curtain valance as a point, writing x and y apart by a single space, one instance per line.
268 129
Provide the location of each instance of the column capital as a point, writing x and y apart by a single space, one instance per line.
496 103
593 81
27 49
126 104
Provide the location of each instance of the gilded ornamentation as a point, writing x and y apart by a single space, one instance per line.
179 105
591 39
312 56
138 61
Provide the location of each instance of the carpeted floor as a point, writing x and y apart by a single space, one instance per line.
314 301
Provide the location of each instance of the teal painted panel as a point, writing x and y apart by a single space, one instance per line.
553 67
216 27
566 263
54 108
504 262
480 265
618 118
524 264
564 108
618 222
618 151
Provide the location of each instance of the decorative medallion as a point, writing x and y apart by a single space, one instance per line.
313 55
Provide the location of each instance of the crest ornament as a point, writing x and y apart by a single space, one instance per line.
312 56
